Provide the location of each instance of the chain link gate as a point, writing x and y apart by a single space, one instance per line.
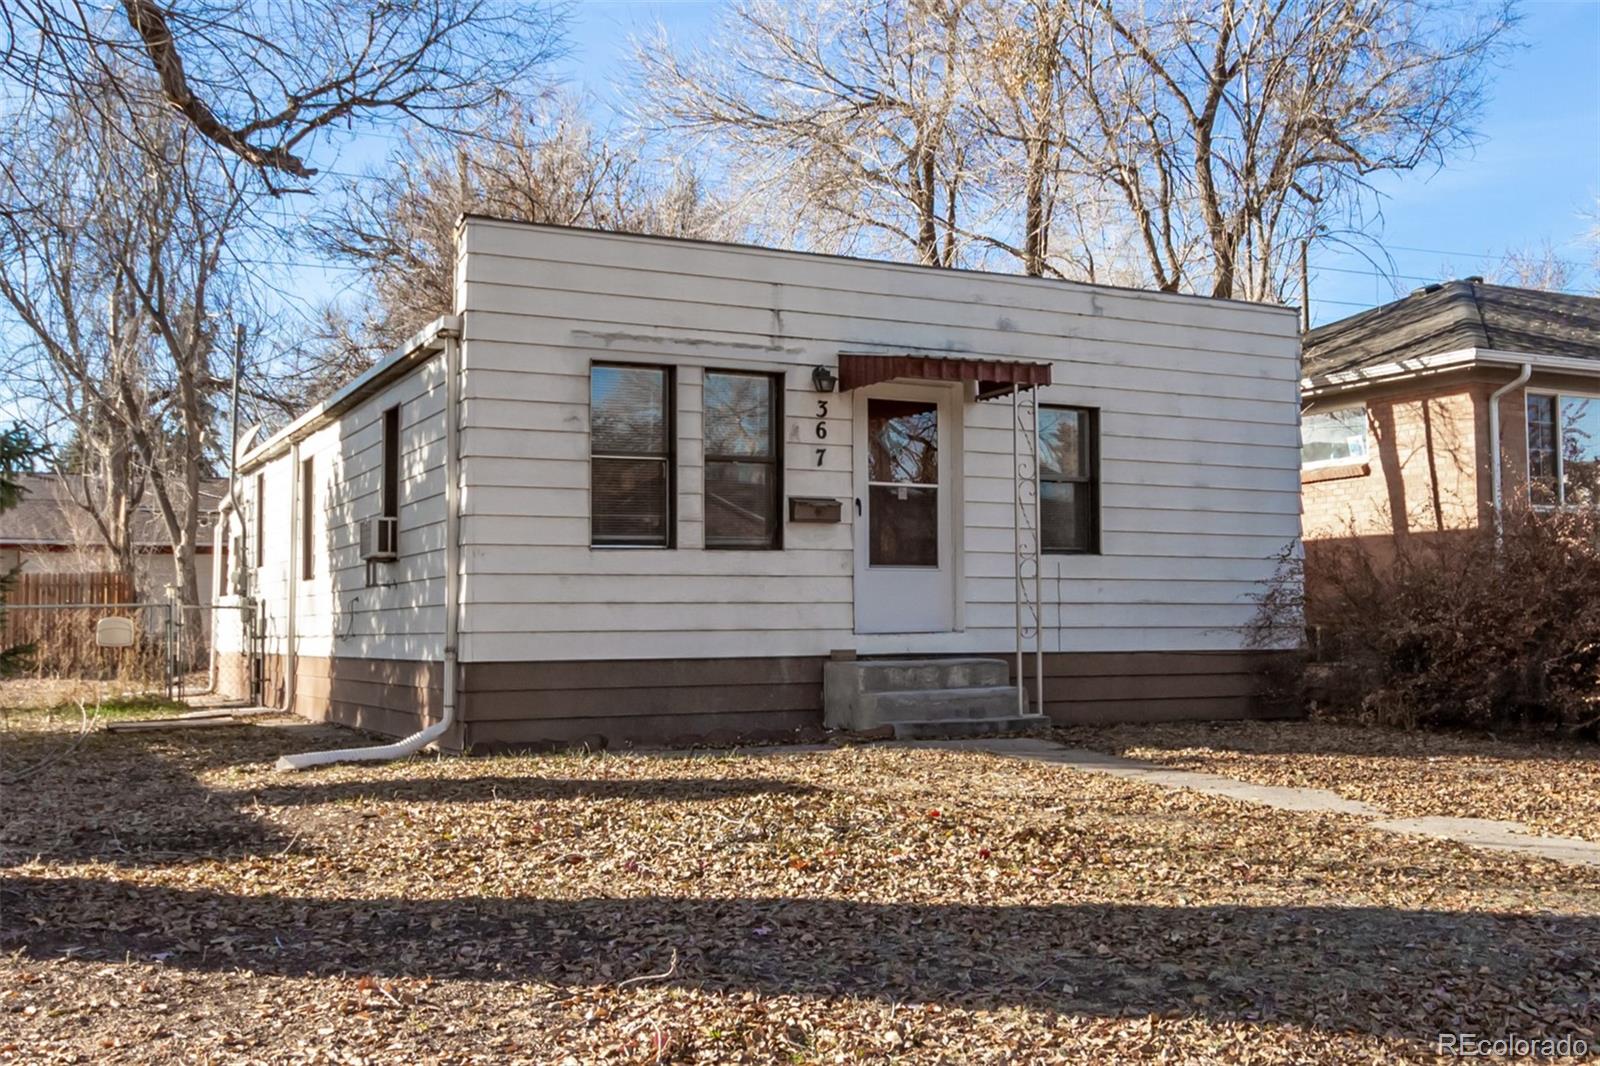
181 650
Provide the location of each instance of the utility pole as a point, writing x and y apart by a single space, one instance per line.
1305 286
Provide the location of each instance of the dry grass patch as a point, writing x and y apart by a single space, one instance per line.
170 898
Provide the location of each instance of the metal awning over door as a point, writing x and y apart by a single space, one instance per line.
995 377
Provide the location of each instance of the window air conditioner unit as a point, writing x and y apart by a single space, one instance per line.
380 539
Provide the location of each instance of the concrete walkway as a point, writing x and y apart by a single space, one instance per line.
1477 832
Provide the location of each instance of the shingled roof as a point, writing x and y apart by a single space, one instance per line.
47 516
1452 316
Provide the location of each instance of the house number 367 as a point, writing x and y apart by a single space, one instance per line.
822 428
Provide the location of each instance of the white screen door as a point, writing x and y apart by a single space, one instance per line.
904 557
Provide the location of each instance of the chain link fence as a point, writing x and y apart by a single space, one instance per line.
179 650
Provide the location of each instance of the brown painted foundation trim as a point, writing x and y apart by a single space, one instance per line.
640 701
617 703
1103 688
713 701
390 697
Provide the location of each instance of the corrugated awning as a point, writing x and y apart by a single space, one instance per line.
995 377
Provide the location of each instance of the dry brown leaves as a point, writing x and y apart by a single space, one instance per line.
1553 787
170 898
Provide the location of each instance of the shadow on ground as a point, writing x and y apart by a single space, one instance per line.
136 800
500 788
1375 970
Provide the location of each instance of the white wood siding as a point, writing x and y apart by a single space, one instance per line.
337 613
1199 438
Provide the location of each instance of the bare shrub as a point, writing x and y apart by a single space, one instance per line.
1455 630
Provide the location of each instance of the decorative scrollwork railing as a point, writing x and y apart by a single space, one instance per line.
1025 516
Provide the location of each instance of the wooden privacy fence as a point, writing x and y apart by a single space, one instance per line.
54 616
101 586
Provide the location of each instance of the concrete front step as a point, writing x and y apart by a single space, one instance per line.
875 709
895 675
966 727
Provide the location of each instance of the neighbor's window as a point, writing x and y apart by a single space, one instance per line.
308 509
630 456
391 463
1329 438
1563 450
743 474
1069 489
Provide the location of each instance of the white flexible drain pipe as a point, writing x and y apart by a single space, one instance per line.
452 555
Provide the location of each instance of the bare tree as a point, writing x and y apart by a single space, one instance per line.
1233 129
81 361
550 167
841 114
1210 135
1534 267
265 81
114 261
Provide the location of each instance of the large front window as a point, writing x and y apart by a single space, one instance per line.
1563 450
630 449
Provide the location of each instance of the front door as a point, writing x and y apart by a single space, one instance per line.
904 556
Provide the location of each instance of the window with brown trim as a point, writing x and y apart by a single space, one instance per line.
743 420
308 555
1069 480
631 456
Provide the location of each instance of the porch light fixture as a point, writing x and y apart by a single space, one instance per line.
822 378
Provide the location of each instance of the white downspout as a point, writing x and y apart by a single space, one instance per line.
1494 440
291 647
452 594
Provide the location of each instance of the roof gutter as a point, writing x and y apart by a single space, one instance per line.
418 349
1339 381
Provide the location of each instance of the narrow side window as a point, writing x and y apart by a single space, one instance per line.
391 463
744 472
308 556
261 520
1544 464
1069 480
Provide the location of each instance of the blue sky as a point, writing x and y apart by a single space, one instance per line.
1532 178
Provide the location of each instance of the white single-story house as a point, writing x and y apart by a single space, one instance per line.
642 489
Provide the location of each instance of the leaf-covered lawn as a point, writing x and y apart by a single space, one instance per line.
170 898
1551 786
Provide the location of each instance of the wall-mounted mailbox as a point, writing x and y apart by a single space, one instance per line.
814 509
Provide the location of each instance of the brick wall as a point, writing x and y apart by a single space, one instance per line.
1428 459
1422 474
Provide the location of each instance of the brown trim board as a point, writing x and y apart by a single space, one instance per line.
510 705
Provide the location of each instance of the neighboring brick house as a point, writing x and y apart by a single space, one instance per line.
1397 435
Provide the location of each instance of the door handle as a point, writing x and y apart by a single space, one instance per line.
858 506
